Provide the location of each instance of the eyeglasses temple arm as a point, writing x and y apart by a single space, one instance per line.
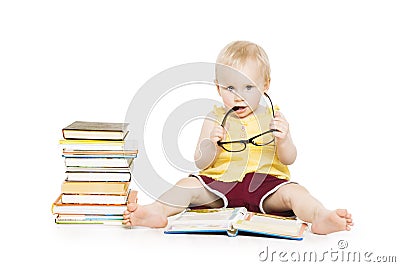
272 106
226 115
224 120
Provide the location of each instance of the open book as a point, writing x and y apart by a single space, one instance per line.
234 221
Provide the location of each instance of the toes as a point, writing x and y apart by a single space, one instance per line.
132 197
131 207
342 212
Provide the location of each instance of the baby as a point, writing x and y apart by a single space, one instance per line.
243 152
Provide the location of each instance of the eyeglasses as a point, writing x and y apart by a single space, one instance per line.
262 139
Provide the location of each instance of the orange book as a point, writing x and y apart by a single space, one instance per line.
65 208
90 209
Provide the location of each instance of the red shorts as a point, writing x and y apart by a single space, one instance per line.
250 193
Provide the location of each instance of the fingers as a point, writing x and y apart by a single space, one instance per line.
279 114
281 126
217 134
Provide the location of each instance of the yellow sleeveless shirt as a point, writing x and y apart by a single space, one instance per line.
232 166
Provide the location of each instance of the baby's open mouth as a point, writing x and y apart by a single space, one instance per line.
238 108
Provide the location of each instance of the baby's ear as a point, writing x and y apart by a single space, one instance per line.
218 87
266 85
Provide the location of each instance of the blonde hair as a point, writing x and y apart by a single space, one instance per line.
236 53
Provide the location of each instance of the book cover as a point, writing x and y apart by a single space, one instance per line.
86 209
77 187
100 156
99 175
98 161
100 145
94 199
99 169
103 153
234 221
95 130
89 219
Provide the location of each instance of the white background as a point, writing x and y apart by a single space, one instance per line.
335 68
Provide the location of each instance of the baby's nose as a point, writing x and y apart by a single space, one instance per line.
238 97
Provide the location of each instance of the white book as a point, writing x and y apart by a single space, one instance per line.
98 162
93 199
89 209
98 145
74 217
99 176
99 169
89 219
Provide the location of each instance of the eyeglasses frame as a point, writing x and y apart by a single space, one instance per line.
248 141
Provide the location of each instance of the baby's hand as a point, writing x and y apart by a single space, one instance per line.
217 134
279 123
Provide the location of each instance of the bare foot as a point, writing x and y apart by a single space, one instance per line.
331 221
148 215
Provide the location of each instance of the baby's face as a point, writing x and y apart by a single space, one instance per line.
241 87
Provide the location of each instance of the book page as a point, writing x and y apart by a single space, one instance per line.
207 219
205 216
270 224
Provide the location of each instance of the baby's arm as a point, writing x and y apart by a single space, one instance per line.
286 149
207 149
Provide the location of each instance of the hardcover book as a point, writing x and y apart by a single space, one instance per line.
89 219
100 175
93 199
98 162
95 130
100 153
98 169
75 187
71 145
234 221
87 209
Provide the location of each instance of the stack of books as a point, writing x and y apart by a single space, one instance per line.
98 166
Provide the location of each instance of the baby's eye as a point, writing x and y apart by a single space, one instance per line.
249 87
230 88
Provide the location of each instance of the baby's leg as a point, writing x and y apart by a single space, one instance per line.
185 192
295 197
